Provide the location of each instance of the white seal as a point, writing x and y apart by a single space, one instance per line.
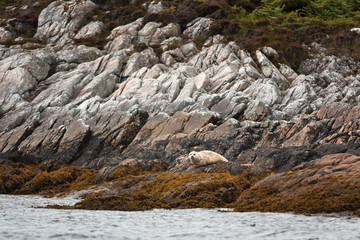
205 157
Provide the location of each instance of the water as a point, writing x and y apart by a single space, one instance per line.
20 220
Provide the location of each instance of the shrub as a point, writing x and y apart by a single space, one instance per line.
294 5
269 8
332 8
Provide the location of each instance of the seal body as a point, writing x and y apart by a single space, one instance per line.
203 158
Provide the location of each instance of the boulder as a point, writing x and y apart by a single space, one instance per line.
90 30
74 136
123 41
5 35
78 54
59 22
146 58
264 92
298 97
270 53
288 72
197 28
169 31
216 39
214 55
256 111
270 71
155 7
20 74
232 105
130 29
171 57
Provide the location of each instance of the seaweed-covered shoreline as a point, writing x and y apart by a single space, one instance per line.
327 185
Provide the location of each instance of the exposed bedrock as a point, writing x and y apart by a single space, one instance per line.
153 94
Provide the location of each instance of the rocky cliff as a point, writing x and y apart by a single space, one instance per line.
154 93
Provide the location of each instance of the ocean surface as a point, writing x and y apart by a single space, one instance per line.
20 219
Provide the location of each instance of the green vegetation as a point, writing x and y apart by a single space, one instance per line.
282 24
302 8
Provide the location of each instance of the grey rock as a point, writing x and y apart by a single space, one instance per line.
146 33
80 105
197 28
5 35
26 71
182 54
216 39
19 39
130 29
232 105
155 7
224 76
155 71
256 111
171 42
178 105
146 58
59 22
90 30
264 92
270 53
298 98
214 55
270 71
152 33
78 54
121 42
73 137
201 81
288 72
171 57
170 30
248 70
189 50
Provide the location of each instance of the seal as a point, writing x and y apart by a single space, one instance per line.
203 158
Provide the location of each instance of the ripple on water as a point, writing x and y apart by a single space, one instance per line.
19 220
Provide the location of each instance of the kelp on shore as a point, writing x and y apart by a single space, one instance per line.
135 188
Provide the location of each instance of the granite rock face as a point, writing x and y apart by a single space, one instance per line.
153 94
